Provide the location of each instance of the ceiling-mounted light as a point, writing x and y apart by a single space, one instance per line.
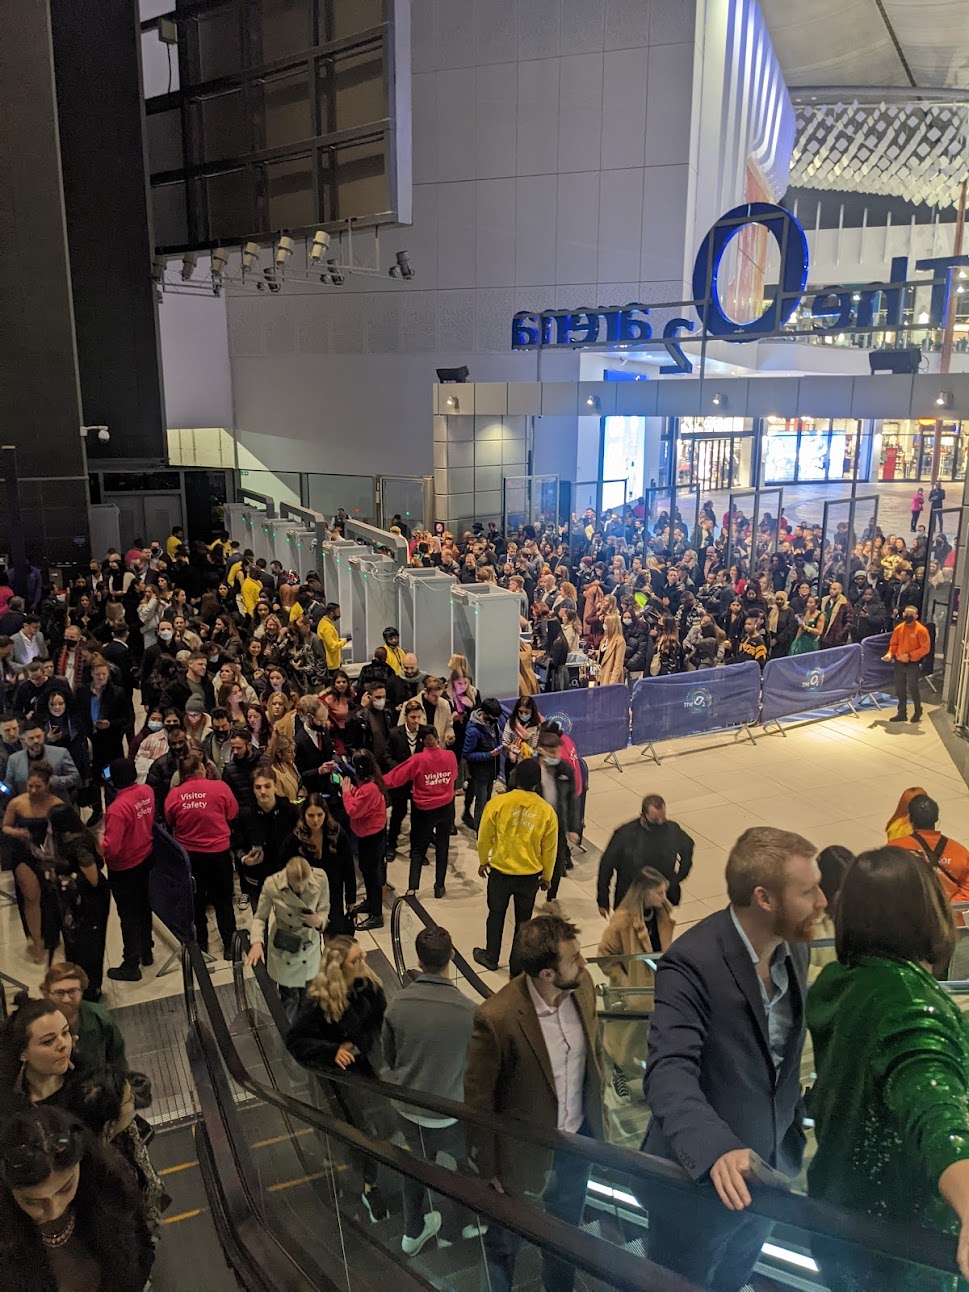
593 401
332 274
189 261
284 249
250 254
719 401
451 401
319 246
158 266
220 259
402 269
944 399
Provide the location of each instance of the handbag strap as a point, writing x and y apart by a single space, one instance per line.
934 855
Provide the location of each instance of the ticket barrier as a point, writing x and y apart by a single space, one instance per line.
485 628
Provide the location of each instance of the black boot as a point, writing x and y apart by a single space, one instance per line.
125 973
899 717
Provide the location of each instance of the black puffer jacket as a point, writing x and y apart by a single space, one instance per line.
313 1040
639 646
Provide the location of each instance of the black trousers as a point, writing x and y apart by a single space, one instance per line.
428 824
428 1142
129 888
907 684
502 889
696 1237
371 851
481 781
84 946
399 798
212 873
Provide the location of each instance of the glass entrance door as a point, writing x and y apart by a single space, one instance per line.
402 496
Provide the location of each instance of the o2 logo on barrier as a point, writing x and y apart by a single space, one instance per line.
814 680
563 720
698 699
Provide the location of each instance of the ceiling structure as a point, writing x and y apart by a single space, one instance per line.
915 44
881 92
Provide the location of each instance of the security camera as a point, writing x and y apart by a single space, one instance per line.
104 434
402 269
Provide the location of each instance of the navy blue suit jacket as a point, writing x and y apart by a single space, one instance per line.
710 1078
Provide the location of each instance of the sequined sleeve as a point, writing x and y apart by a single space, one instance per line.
922 1062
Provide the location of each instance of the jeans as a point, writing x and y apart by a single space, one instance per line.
428 1142
502 889
481 781
564 1199
129 888
212 876
373 868
907 684
696 1237
292 998
427 824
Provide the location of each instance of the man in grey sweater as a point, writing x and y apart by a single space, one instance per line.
425 1041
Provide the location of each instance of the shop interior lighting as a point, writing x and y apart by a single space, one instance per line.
719 401
189 261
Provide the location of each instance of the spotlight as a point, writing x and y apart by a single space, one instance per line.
905 361
189 261
220 258
593 401
104 435
284 249
452 374
250 254
402 269
158 266
719 401
270 277
451 402
332 275
319 246
944 399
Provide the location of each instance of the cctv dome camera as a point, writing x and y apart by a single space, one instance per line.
104 435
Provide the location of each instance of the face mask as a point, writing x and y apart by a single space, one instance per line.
379 704
155 726
549 761
523 715
627 623
166 635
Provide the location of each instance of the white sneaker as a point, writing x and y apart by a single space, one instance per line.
477 1230
432 1223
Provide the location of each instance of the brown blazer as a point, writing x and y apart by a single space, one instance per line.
508 1073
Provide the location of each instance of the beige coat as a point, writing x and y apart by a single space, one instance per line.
443 721
278 902
625 1043
612 662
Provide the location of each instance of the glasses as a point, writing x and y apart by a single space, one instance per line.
172 726
66 993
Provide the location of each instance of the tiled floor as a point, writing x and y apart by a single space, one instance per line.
835 781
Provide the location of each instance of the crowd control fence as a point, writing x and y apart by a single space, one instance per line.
738 698
171 892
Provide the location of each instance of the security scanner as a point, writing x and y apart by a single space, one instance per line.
280 546
334 567
485 628
395 544
373 602
424 616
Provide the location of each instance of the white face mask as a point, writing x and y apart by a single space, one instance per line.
166 634
379 704
155 726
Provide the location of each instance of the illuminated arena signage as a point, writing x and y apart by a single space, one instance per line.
835 309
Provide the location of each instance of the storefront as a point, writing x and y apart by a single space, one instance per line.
801 449
714 453
908 448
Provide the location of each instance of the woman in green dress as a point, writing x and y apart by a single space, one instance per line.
810 626
891 1100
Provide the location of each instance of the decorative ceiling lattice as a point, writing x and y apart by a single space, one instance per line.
914 151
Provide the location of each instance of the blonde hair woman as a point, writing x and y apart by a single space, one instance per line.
612 658
297 899
641 924
281 712
338 1025
284 771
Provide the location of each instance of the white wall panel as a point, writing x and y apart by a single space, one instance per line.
538 117
496 32
620 224
539 29
496 120
627 23
580 112
455 33
582 26
674 21
669 104
424 127
665 192
577 229
535 216
495 249
456 223
625 80
424 45
455 125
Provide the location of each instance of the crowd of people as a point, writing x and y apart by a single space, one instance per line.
196 698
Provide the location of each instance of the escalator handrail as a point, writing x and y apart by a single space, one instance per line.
780 1205
619 1268
467 971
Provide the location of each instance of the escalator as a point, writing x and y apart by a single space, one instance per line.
305 1193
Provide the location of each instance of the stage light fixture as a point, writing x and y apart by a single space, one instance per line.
719 401
189 261
220 259
319 246
284 249
402 269
270 277
250 254
593 401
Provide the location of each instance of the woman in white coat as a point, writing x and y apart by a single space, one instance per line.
298 900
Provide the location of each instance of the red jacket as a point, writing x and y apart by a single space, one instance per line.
434 773
127 828
199 812
366 809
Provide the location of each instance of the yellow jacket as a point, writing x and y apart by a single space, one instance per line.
332 641
395 659
251 589
519 834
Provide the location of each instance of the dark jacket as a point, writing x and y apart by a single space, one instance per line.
710 1078
870 618
398 746
309 760
566 804
177 694
254 828
159 781
115 709
237 774
481 739
370 729
119 657
313 1040
667 848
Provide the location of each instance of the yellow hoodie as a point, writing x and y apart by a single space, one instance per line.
519 834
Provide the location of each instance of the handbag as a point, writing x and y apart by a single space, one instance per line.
291 943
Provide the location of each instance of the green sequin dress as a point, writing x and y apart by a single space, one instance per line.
890 1106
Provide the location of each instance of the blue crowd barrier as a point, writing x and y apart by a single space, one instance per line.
170 888
813 681
596 718
876 674
689 704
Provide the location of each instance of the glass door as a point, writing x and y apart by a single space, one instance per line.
403 496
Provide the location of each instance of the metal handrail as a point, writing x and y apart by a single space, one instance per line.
467 971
